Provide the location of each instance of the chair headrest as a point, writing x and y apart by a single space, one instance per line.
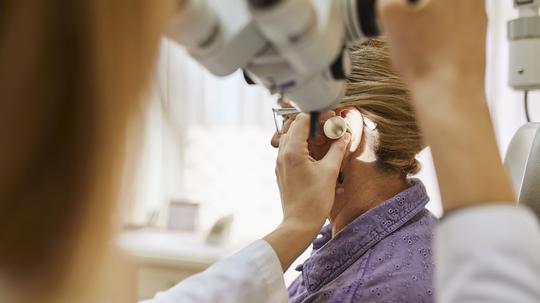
523 163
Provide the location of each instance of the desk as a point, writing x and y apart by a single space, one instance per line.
163 258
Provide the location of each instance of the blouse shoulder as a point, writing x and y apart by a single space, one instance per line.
400 267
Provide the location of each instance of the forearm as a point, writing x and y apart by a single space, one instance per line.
250 275
289 240
307 189
488 254
456 124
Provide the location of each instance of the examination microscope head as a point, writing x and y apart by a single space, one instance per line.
294 48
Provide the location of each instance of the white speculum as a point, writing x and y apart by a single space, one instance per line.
335 127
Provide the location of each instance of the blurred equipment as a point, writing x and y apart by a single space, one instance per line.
335 127
220 231
183 216
295 48
523 154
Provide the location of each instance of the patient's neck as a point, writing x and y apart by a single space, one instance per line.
366 186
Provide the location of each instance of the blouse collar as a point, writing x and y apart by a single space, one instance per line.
332 256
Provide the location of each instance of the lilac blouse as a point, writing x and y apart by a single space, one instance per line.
384 255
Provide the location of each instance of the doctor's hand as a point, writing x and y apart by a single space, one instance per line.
307 190
434 41
307 186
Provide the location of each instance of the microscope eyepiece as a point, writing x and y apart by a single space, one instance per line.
262 4
360 19
368 17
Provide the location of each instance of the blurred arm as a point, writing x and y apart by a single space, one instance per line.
488 254
252 275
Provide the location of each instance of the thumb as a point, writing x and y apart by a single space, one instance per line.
337 151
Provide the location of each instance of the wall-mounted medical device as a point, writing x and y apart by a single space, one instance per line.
295 48
524 39
523 155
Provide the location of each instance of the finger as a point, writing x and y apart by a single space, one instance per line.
282 143
276 170
280 155
337 151
293 149
299 130
288 123
297 143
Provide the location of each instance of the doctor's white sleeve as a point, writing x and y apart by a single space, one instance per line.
251 275
488 254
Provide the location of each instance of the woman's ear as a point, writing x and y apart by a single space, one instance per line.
355 120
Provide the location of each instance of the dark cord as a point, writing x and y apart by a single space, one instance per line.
526 104
341 177
313 124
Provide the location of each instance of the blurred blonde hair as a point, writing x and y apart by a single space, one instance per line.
378 91
72 76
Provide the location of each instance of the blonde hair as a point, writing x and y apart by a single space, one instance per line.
72 76
378 91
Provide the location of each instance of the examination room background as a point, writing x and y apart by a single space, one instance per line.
207 141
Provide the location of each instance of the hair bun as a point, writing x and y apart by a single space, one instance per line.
413 168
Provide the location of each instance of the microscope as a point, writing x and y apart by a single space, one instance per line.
523 155
294 48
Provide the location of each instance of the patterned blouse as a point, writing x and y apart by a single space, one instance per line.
384 255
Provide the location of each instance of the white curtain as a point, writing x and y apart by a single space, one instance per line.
207 141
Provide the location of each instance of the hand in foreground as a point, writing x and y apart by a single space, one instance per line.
436 39
438 46
307 190
307 186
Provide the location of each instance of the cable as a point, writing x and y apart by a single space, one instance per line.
526 105
314 124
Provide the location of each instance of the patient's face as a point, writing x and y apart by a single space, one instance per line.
319 146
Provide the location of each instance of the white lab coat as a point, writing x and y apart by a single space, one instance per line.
483 254
251 275
488 254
